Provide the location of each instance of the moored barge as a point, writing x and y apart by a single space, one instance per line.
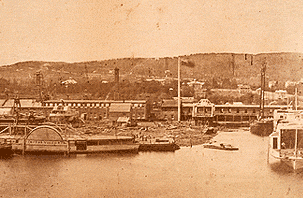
158 145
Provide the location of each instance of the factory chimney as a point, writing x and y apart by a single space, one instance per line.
117 92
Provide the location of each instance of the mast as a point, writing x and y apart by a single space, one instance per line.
296 139
263 69
296 143
179 89
296 98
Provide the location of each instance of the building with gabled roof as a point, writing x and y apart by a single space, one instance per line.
117 110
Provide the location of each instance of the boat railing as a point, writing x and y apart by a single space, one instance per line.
14 129
4 130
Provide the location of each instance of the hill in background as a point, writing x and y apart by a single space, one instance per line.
245 68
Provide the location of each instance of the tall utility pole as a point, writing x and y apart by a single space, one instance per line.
296 98
263 69
179 89
39 81
233 64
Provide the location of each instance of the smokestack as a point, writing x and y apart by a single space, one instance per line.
117 76
233 63
117 84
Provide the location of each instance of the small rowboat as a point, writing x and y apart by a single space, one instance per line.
222 146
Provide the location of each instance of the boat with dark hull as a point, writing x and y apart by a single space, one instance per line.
263 127
221 146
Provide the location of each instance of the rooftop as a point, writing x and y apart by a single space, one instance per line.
120 107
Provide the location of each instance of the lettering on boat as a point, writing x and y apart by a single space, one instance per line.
45 142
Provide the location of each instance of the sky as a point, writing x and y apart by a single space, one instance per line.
88 30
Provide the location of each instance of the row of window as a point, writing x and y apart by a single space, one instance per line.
108 142
166 117
203 110
176 108
87 104
105 115
221 110
238 110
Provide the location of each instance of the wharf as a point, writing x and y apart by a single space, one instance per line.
233 123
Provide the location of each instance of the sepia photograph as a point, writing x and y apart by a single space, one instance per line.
151 98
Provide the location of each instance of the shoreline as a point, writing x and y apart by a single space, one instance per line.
183 134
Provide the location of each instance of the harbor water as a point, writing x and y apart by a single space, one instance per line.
188 172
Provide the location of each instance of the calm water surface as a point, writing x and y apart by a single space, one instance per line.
188 172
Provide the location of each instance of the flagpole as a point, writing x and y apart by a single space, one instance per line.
179 89
296 98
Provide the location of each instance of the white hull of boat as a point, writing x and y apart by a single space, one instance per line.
295 164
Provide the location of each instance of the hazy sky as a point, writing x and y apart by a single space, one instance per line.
82 30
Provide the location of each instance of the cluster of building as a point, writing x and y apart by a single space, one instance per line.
205 112
202 112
